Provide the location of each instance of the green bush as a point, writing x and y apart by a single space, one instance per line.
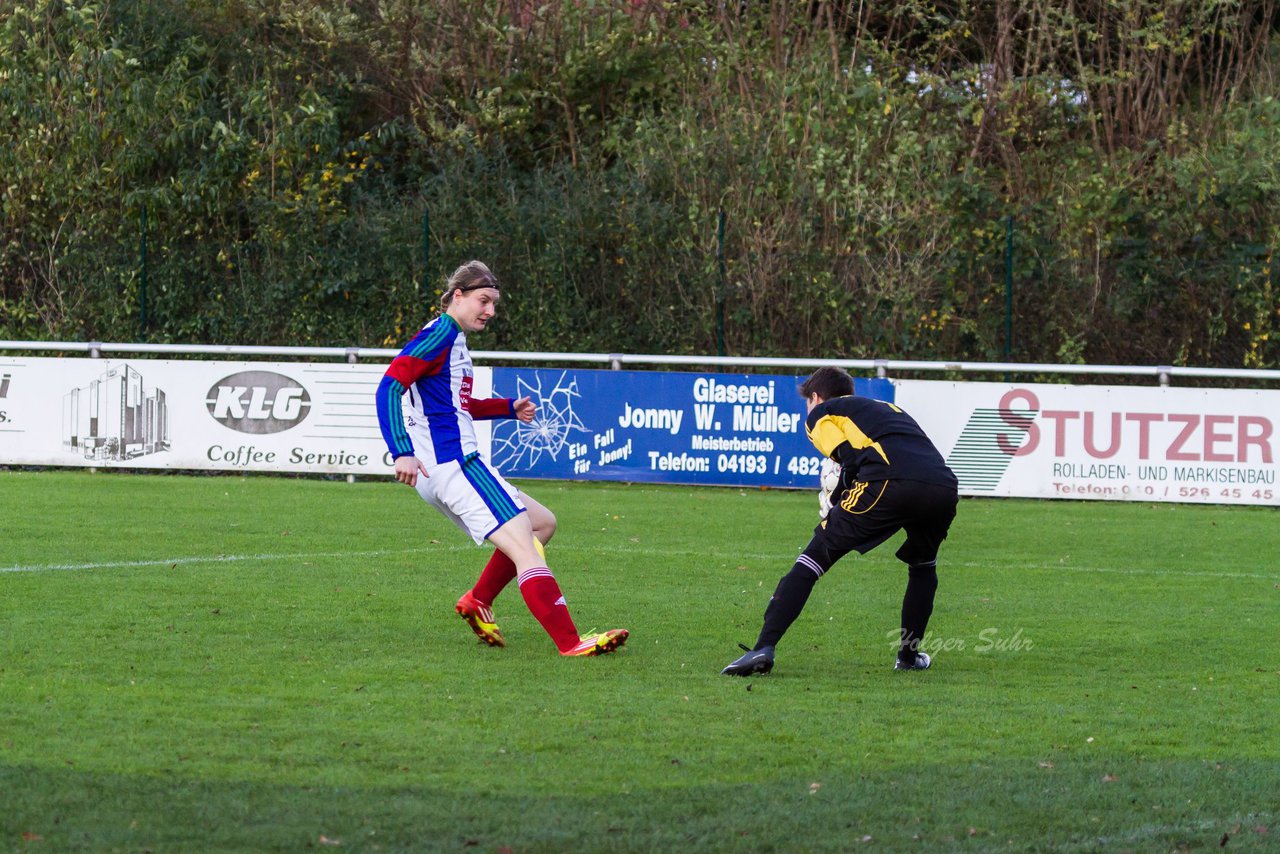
884 175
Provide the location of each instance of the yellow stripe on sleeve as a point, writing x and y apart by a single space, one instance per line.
830 430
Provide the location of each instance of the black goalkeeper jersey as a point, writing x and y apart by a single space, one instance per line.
875 440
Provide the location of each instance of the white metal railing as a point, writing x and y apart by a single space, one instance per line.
882 367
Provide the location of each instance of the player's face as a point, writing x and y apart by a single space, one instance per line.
474 309
810 402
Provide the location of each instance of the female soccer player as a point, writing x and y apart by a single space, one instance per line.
426 412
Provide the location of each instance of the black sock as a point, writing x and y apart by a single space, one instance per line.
788 601
917 607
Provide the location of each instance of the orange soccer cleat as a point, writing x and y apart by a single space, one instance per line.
480 618
598 644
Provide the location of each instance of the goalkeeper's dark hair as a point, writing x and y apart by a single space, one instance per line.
469 277
827 383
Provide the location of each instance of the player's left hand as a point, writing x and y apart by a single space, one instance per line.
525 409
830 486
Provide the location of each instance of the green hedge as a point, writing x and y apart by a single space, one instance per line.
876 171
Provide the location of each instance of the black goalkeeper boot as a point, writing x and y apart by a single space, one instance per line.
752 661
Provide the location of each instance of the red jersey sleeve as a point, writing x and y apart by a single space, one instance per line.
493 407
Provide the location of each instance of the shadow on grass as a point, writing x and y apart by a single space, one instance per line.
1124 805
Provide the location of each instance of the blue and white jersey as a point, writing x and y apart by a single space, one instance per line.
424 400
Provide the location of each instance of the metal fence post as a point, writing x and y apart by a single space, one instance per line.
1008 289
720 287
142 276
426 256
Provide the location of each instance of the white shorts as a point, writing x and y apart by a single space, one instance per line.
472 494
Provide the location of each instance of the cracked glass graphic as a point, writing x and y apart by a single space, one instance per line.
517 445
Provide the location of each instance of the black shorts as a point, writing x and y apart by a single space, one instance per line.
868 513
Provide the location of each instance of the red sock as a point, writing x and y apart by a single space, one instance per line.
542 595
497 574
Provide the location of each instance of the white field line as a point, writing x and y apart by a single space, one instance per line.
206 559
780 558
1066 567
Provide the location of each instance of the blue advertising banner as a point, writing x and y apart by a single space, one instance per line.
658 427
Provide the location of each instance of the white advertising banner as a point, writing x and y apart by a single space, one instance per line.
1217 446
220 416
1035 441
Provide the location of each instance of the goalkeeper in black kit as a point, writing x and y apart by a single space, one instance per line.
891 478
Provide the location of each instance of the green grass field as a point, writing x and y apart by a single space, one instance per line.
231 664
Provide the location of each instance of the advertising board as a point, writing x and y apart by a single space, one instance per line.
1104 442
218 416
1029 440
661 427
